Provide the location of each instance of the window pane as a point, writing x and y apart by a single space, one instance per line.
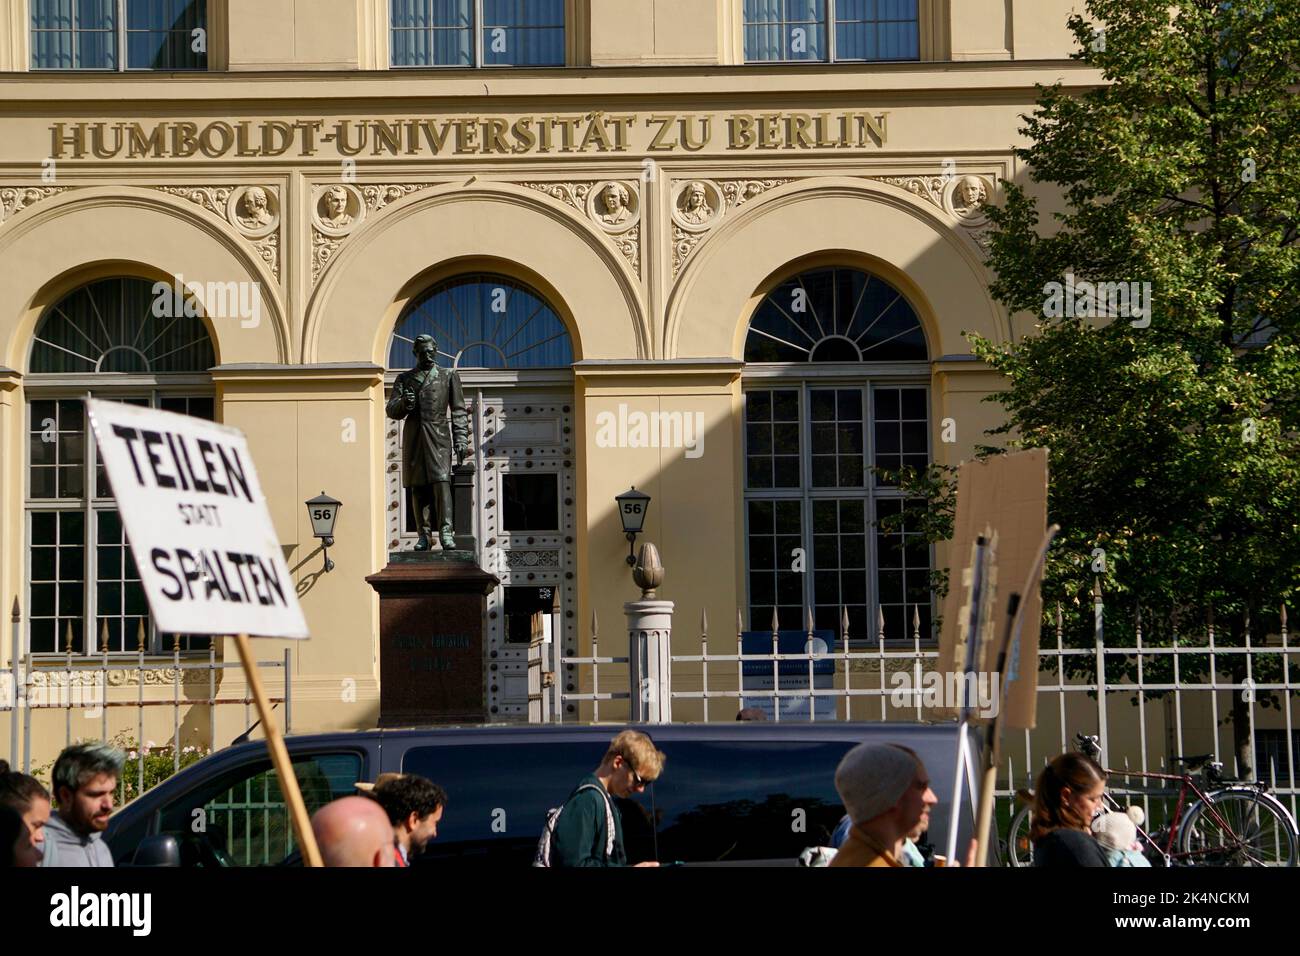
774 534
785 29
823 471
876 30
43 599
467 771
834 315
904 560
40 449
531 503
160 34
245 811
71 563
764 469
744 811
42 482
71 599
785 472
484 321
71 481
112 325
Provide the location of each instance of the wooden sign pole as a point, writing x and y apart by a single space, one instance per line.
978 601
993 742
280 758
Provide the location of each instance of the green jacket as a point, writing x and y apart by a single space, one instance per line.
580 831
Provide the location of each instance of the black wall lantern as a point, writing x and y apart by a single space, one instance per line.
324 511
632 506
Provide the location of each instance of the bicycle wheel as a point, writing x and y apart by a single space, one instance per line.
1251 829
1020 850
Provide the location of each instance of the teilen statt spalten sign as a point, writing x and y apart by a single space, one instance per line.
202 538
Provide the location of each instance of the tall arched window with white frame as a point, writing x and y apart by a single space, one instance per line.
125 339
836 387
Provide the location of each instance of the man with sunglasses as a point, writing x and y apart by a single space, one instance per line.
589 830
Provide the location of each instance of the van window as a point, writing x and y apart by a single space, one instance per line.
240 818
498 795
741 800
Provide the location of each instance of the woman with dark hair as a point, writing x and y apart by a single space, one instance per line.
1068 795
16 847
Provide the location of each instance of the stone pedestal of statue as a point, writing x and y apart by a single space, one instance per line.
431 617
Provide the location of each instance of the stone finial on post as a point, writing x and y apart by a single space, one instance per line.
649 632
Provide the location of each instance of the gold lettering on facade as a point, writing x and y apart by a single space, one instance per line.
588 133
691 143
141 145
61 140
662 125
742 131
270 147
494 135
388 136
184 141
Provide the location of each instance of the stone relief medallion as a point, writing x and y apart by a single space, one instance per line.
966 198
338 209
614 206
697 205
254 210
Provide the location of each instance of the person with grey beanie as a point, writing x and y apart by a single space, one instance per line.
886 791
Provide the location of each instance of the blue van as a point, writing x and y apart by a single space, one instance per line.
749 793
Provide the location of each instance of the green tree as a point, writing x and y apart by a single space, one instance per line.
1172 430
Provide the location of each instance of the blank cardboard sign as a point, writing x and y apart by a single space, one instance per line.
1006 494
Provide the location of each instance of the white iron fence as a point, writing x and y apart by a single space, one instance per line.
94 687
1150 695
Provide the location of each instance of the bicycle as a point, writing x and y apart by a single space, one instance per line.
1204 833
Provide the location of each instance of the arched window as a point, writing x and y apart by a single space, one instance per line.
835 389
122 325
126 339
484 321
835 315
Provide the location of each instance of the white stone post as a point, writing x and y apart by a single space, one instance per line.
649 644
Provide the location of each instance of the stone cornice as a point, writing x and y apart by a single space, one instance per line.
657 373
323 373
748 83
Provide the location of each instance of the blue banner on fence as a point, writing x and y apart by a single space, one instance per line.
756 675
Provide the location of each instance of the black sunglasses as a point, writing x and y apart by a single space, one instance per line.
637 779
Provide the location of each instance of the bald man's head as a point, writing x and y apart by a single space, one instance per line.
353 831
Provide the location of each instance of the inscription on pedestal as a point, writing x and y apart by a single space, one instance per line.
431 667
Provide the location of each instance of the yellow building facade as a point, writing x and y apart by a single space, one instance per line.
323 192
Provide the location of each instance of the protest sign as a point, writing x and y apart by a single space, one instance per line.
208 555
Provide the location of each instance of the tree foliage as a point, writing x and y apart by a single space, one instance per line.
1173 436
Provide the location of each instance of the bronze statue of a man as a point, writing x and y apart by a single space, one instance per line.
422 396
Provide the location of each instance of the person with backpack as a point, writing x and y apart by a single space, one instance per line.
587 830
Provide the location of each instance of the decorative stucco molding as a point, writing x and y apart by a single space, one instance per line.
339 208
619 220
700 204
120 677
14 199
256 220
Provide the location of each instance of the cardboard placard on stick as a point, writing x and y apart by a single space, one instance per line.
209 559
1007 495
